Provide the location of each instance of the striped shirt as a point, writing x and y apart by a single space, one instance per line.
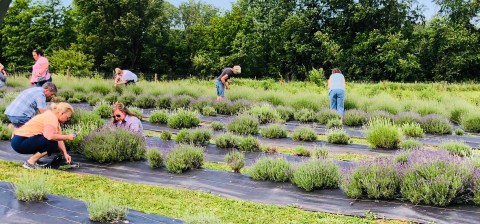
27 103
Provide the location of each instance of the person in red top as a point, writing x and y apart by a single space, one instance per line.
42 136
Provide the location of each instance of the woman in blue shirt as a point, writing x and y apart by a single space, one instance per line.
336 91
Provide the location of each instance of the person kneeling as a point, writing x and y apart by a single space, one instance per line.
41 136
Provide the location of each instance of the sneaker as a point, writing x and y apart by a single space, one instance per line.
29 166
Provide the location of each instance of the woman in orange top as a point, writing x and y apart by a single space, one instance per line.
41 136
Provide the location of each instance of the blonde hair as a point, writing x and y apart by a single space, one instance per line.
61 107
117 70
1 66
122 108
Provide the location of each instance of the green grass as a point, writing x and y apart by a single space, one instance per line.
176 203
221 167
351 156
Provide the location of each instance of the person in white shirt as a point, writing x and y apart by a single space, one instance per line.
124 77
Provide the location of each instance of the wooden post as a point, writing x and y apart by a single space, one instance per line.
155 78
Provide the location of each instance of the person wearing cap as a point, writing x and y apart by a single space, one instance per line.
221 83
336 91
124 77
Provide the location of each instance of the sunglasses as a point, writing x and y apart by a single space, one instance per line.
116 115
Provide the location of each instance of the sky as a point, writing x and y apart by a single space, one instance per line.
429 10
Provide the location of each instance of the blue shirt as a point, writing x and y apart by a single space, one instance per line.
336 81
131 123
27 103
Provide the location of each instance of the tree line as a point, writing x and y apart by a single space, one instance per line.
370 40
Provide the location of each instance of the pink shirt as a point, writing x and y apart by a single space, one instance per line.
38 68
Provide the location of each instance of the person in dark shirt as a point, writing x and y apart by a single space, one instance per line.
221 83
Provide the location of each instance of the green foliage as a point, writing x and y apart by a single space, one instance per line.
93 99
183 119
209 111
459 131
317 76
410 144
471 122
320 152
316 174
102 89
227 141
111 98
197 137
383 133
102 208
334 123
32 187
203 218
5 132
183 158
304 134
181 102
379 114
127 99
71 61
305 115
301 151
200 104
338 136
274 131
325 115
412 130
217 126
103 109
354 118
265 113
244 125
457 148
165 135
144 101
273 169
155 159
235 160
248 144
66 93
285 113
113 145
158 117
435 124
164 102
407 118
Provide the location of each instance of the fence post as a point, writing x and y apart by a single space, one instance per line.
155 77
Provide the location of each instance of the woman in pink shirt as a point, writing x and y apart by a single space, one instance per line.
40 74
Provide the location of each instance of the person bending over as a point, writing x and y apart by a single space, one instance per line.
336 91
122 117
124 77
42 136
221 83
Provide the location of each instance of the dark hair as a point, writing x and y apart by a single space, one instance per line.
39 52
50 87
119 106
336 70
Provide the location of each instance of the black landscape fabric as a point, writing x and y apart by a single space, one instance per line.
231 185
58 209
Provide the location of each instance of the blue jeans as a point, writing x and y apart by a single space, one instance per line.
40 84
220 88
337 99
34 144
18 121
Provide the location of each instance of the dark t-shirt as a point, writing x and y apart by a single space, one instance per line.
226 71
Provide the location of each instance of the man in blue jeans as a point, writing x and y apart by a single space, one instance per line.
221 83
25 106
336 91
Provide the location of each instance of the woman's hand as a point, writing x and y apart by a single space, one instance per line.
67 158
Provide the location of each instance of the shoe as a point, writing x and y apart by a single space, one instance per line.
29 166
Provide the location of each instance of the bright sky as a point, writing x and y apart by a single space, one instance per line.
429 10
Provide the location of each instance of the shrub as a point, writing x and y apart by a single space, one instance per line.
375 179
380 114
181 102
32 187
325 115
103 109
73 100
248 144
305 115
165 135
274 131
412 130
145 101
285 112
434 178
273 169
407 118
164 102
334 123
410 144
354 118
135 89
198 137
217 126
183 158
235 160
154 157
265 113
476 186
471 122
158 117
113 145
224 107
127 99
316 174
111 98
5 132
304 102
383 133
227 141
66 93
436 124
209 111
137 111
457 148
302 151
459 131
338 136
457 113
103 209
80 96
244 125
320 152
304 134
183 119
273 99
200 103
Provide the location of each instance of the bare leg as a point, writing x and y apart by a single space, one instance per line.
36 157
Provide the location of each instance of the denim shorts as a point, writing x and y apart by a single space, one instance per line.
18 121
220 88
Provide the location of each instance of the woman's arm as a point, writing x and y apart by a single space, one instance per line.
63 149
49 132
329 83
